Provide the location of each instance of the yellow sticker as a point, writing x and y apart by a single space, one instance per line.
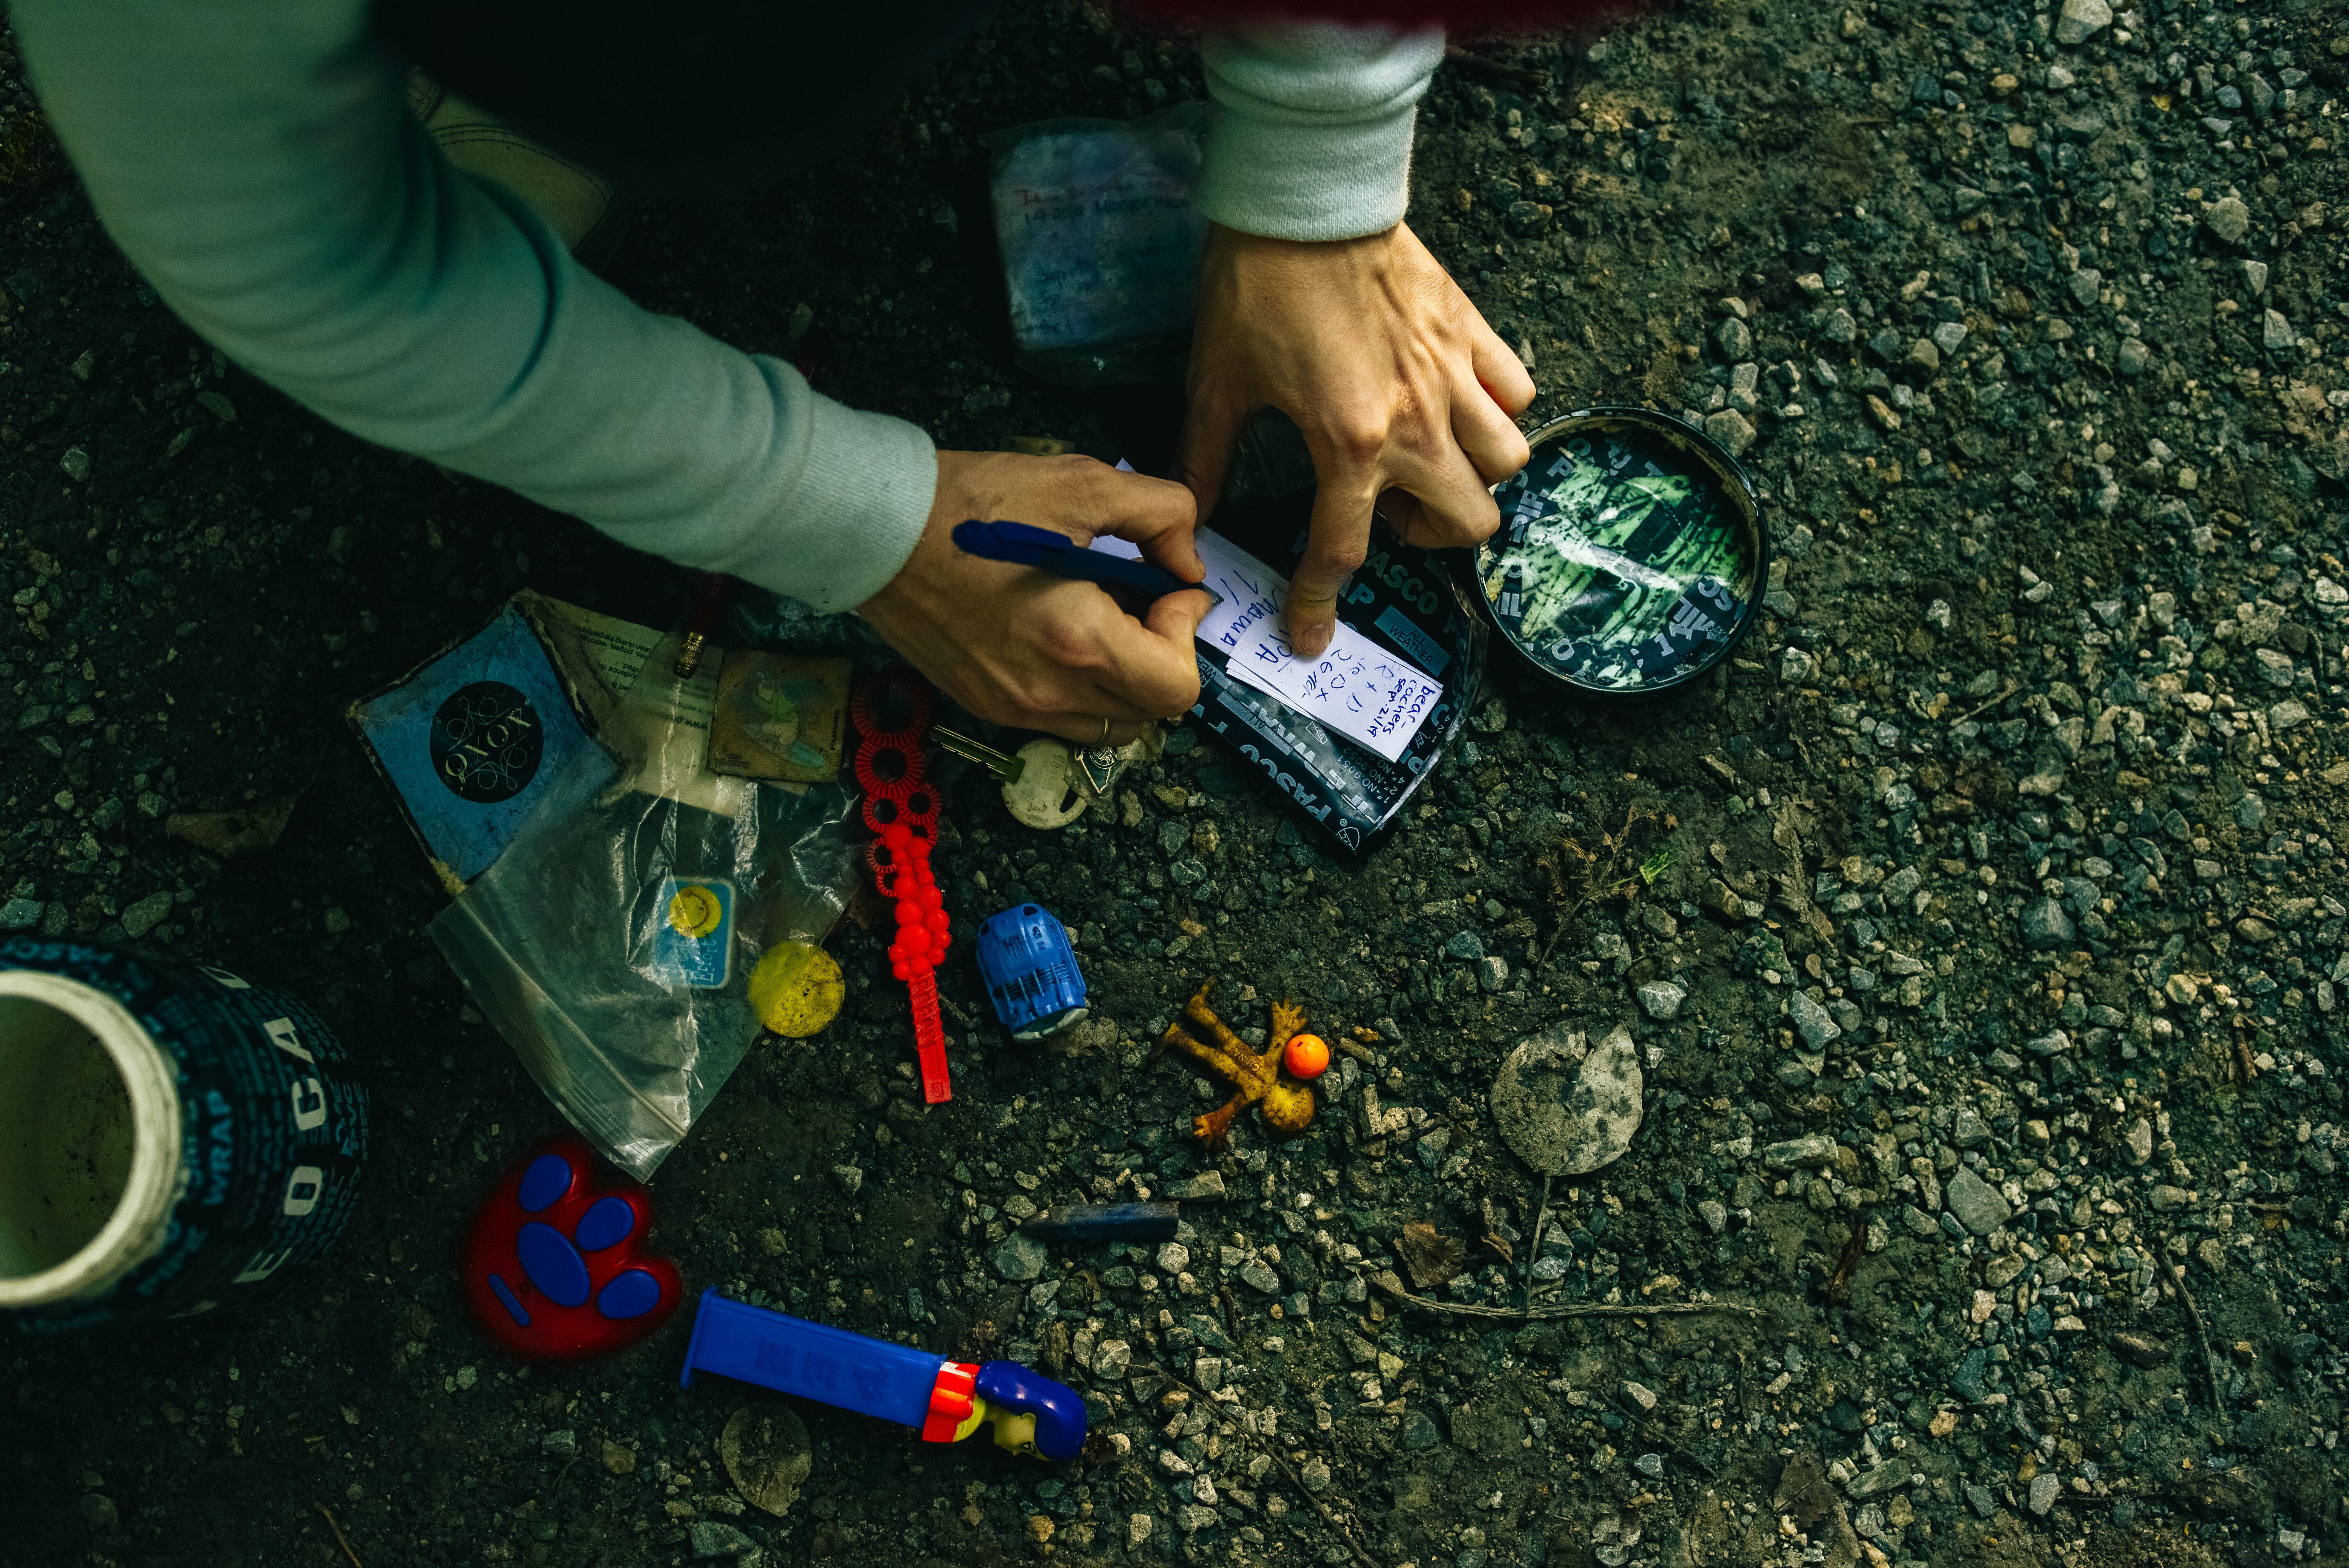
796 989
695 911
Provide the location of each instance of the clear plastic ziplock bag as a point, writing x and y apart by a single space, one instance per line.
612 943
1101 237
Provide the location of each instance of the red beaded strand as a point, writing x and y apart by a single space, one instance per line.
901 807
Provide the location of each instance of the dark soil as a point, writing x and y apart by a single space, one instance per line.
2000 860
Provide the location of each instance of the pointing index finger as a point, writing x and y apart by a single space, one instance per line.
1340 538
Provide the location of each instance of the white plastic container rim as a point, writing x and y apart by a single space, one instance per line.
136 1227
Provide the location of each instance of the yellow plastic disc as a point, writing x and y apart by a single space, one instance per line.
695 911
796 989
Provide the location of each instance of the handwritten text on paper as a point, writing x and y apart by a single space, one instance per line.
1355 687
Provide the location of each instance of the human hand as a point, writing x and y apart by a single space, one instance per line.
1025 648
1406 399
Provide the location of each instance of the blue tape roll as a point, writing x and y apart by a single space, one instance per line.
273 1125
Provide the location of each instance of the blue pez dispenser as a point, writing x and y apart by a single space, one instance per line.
833 1366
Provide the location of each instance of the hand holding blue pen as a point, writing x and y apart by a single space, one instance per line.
1049 550
1024 648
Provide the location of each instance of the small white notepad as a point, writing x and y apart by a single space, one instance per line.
1356 688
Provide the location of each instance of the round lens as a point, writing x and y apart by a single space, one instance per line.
1630 554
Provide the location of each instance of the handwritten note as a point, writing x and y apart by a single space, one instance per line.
1356 688
1252 594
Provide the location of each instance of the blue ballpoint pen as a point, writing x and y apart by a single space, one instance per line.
1022 545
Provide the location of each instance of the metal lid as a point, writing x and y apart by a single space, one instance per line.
1631 553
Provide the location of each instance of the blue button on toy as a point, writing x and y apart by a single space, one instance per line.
544 1184
505 1295
605 1224
630 1294
552 1264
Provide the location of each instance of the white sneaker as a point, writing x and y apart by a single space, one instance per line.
578 203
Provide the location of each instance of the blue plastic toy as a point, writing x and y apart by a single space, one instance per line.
556 1267
946 1400
1030 972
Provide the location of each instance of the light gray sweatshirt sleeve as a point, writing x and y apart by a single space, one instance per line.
257 160
1309 136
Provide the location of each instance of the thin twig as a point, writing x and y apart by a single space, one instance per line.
2201 1339
1393 1287
1153 1367
1323 1509
339 1537
1533 1249
2011 689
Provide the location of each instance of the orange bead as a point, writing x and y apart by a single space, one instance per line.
1308 1056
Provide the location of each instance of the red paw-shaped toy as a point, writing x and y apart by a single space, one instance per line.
554 1269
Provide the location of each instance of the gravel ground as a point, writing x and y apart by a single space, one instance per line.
1985 971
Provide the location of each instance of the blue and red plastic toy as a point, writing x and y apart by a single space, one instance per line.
945 1400
555 1268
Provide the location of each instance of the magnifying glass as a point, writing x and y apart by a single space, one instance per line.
1631 553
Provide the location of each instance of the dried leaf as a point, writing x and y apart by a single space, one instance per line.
1803 1492
1564 1110
1791 893
1052 1348
1431 1256
1855 1247
767 1456
1493 1237
230 833
1791 827
1806 1496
